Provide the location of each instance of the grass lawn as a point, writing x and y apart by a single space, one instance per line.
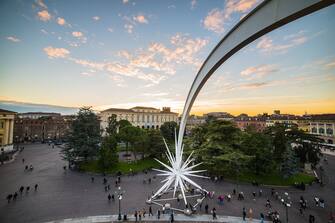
124 167
276 179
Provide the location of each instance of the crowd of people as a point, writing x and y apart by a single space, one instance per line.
271 197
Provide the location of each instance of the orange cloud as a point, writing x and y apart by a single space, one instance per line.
56 52
61 21
77 34
140 19
259 71
44 15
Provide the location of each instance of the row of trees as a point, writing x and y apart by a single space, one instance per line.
86 141
226 150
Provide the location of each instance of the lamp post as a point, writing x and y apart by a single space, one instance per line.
287 204
119 194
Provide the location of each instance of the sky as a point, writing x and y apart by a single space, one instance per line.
61 55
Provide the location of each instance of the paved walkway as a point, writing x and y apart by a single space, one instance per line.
164 218
71 194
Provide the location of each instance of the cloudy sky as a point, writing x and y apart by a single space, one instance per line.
124 53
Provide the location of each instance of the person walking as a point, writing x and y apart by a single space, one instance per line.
244 213
139 216
158 214
172 217
150 211
92 179
36 186
144 212
27 189
250 214
9 197
113 198
109 197
21 189
15 196
23 160
206 208
268 204
104 180
262 218
135 215
214 213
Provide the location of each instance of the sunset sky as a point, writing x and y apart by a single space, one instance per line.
114 53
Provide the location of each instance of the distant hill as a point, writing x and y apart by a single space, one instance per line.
31 107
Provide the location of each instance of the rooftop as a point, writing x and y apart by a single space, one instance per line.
6 111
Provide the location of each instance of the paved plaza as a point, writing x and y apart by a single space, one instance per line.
70 194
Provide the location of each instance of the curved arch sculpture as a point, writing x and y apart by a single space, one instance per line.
268 16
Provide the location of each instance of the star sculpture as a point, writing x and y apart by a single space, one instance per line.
178 172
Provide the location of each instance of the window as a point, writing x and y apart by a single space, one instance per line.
321 130
314 130
2 125
329 131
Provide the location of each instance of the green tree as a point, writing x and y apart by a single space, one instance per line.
168 130
307 146
290 164
155 143
130 135
84 136
108 152
279 141
258 146
112 125
124 123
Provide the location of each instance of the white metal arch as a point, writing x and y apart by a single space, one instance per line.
268 16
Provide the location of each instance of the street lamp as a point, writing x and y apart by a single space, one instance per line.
287 204
119 194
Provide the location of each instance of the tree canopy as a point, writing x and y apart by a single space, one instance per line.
84 136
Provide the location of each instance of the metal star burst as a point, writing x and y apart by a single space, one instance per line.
178 173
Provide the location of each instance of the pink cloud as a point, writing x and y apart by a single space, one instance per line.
13 39
259 71
266 44
216 18
96 18
214 21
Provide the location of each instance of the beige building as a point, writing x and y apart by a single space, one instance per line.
142 117
324 127
6 130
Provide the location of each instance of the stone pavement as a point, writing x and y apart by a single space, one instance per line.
70 194
164 218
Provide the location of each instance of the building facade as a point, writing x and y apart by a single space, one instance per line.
323 126
52 127
37 115
6 130
142 117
